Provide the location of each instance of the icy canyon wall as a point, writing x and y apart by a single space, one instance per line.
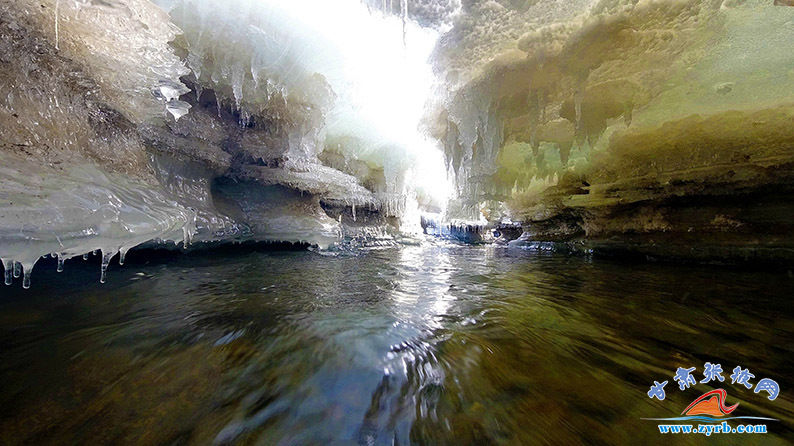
126 121
75 173
662 127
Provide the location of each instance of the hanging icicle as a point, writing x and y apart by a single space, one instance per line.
404 14
57 34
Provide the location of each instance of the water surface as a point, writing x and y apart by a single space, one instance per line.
431 344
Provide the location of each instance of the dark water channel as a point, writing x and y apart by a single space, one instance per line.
432 344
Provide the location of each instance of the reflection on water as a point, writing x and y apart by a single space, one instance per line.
433 344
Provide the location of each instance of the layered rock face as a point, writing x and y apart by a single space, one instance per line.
659 127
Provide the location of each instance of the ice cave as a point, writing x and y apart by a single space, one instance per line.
288 222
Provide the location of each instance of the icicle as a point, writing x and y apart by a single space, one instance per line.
57 7
9 273
578 97
237 85
122 255
26 276
17 270
106 256
61 259
189 229
404 13
354 212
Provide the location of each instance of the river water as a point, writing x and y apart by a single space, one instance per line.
430 344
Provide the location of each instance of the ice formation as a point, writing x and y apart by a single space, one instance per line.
75 175
320 121
305 66
648 122
129 121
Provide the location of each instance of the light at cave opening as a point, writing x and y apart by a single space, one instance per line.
377 66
